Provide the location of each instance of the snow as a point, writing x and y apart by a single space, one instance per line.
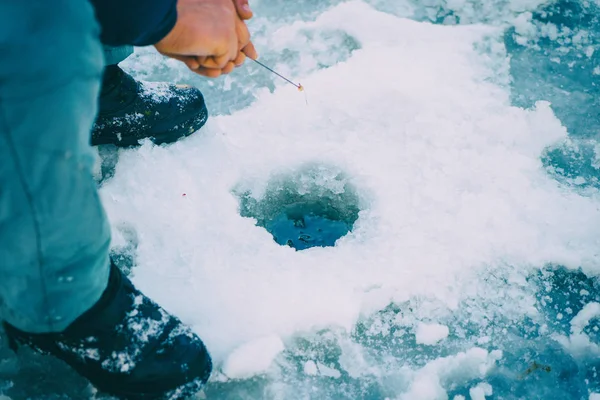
483 340
465 189
431 334
450 185
480 391
328 371
252 358
578 343
582 319
310 368
432 381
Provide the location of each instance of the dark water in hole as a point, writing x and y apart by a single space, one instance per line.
306 225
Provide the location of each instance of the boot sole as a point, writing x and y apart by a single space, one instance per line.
186 128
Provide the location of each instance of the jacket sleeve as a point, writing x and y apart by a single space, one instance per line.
135 22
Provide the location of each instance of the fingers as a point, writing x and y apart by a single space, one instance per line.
240 59
208 72
239 47
243 34
250 51
243 9
213 67
237 42
229 54
237 53
215 73
228 68
195 64
220 61
190 61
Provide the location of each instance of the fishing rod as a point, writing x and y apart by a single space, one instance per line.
299 86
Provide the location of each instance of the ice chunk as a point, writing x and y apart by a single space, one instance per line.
431 334
310 368
324 370
253 357
583 318
480 391
431 381
578 343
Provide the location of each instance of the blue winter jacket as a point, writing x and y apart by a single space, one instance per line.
135 22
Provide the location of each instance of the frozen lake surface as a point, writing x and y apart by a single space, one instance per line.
451 145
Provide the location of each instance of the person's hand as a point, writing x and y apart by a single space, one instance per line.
243 9
209 65
245 13
209 36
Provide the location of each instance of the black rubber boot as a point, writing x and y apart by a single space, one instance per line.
130 110
127 346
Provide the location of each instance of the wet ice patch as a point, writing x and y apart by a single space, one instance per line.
574 162
553 57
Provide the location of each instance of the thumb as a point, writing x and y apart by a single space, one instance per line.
243 9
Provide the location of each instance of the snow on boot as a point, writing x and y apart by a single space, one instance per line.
130 111
127 346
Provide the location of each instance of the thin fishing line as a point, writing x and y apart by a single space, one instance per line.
300 87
